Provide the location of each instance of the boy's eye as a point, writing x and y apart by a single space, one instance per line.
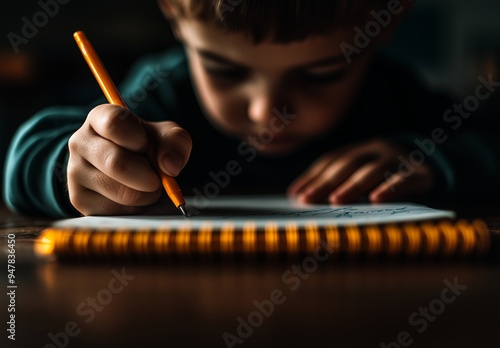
324 78
228 73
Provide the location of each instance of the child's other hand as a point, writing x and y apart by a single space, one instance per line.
108 169
346 175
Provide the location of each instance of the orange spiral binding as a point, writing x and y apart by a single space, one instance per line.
443 238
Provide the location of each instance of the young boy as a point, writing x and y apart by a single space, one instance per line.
263 96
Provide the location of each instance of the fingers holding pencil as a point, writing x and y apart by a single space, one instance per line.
108 156
120 126
127 130
170 161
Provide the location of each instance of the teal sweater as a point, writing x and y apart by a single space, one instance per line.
391 104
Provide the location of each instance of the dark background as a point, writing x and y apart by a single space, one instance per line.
450 43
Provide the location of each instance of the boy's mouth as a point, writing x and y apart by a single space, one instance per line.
272 144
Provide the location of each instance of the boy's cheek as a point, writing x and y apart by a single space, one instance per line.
316 119
221 106
225 114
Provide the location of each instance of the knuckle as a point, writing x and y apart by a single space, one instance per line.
171 125
110 121
74 142
108 117
115 164
180 133
98 112
72 170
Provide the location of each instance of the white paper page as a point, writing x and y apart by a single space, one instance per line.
262 210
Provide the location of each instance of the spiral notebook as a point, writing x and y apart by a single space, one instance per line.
268 225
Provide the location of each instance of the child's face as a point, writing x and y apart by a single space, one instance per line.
240 84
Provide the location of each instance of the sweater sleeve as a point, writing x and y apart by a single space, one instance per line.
467 163
471 162
460 141
465 155
36 162
465 150
35 167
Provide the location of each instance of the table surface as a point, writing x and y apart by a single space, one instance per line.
340 304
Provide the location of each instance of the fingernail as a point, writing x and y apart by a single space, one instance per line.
172 163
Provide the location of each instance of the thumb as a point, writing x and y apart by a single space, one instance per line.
173 147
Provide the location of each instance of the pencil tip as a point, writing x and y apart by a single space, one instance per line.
184 211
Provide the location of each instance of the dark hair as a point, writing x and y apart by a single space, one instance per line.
281 21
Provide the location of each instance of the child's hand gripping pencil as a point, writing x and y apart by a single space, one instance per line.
113 96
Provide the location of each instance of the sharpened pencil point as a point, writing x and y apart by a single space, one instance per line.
182 208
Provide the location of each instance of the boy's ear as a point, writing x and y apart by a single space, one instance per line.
169 13
166 8
388 33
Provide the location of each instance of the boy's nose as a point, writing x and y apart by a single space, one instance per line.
260 109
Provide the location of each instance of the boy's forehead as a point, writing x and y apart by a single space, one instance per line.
240 49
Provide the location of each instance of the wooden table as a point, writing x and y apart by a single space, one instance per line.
341 304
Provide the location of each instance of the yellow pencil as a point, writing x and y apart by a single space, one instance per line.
113 96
